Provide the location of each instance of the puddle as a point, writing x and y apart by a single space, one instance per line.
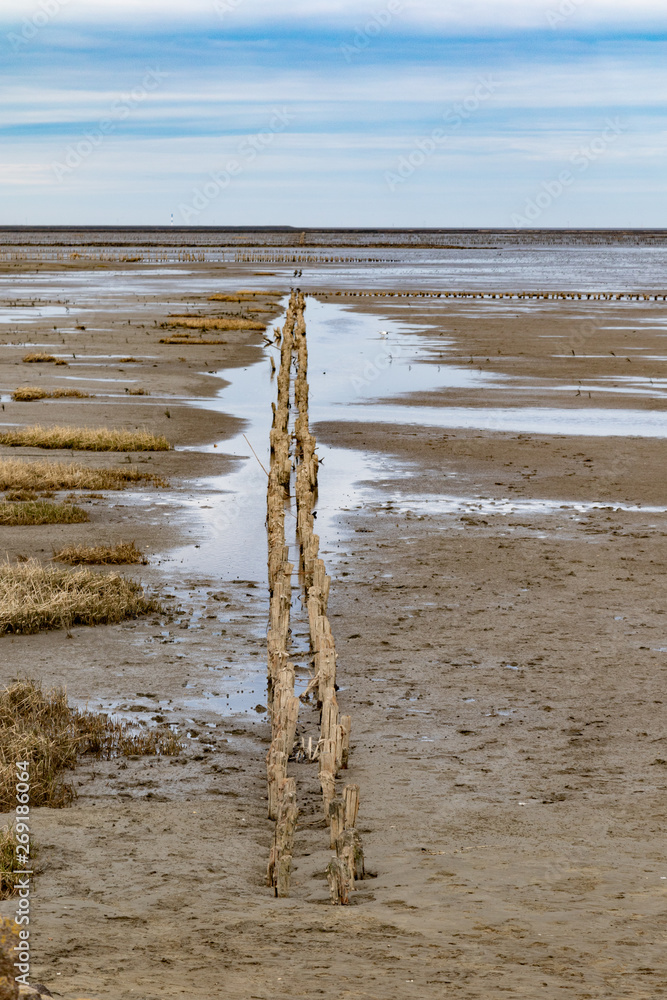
31 314
352 366
233 517
589 422
28 343
244 697
233 524
86 378
654 388
504 507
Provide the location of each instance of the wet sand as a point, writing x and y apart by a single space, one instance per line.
529 861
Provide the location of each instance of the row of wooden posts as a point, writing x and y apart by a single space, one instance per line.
573 296
286 257
128 256
333 747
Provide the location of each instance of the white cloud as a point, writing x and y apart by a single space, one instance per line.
247 95
22 174
464 15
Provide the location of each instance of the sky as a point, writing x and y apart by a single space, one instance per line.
355 113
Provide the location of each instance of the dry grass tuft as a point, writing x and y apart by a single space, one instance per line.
8 842
33 597
39 727
16 474
33 512
138 392
40 357
85 439
213 322
128 361
230 298
29 393
22 495
37 357
124 553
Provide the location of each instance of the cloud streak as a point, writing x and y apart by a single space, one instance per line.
454 16
351 121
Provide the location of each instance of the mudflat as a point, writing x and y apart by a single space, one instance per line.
498 605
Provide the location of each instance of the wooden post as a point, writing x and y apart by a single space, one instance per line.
339 747
351 797
276 773
346 727
351 854
336 820
280 858
283 705
295 470
339 883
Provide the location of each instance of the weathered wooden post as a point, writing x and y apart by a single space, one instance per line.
334 743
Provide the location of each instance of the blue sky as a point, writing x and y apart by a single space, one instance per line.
333 112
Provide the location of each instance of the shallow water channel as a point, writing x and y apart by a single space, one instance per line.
359 366
354 361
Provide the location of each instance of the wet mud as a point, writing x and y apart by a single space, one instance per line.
498 605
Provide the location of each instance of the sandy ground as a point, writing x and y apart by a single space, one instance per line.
505 676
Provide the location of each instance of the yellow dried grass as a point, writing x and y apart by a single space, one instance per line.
213 322
85 439
34 512
125 553
29 393
33 598
40 357
42 474
8 844
40 728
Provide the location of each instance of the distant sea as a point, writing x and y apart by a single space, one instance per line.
430 259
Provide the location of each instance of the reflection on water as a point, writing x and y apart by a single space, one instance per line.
355 360
516 419
31 314
351 364
340 351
